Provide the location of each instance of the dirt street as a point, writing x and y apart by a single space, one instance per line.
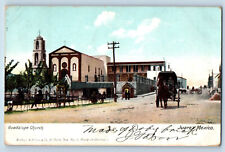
193 109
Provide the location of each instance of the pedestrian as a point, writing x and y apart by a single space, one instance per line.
128 95
126 91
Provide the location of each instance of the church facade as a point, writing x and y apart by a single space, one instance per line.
79 66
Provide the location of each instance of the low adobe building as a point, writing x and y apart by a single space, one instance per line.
133 76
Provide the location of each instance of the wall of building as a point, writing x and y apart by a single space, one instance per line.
141 85
182 83
126 70
93 63
106 59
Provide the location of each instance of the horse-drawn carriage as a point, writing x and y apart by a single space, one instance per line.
167 88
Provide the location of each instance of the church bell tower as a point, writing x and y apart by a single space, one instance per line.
39 53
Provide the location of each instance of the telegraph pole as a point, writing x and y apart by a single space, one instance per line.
114 66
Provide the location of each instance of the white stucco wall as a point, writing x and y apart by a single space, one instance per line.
93 63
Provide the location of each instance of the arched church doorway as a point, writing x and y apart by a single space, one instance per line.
64 72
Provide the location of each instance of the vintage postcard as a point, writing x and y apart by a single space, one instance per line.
131 76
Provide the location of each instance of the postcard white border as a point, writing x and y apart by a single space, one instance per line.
69 134
96 2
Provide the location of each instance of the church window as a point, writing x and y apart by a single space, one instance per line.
37 44
64 65
44 56
88 68
36 59
54 68
74 67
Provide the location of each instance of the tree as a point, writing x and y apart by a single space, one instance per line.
10 83
29 76
9 68
50 79
39 76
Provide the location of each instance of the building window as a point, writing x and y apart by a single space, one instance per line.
113 69
127 68
142 68
121 68
136 68
86 78
37 44
153 68
149 68
101 72
36 59
74 67
118 77
88 68
64 65
95 70
160 68
98 71
54 68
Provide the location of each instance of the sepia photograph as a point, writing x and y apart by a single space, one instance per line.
114 66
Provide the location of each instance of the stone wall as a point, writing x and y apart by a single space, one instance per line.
141 85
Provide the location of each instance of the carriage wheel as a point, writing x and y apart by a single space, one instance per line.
178 101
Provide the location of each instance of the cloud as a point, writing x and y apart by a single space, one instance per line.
104 18
145 27
102 49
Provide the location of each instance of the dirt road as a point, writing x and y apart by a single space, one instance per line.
193 109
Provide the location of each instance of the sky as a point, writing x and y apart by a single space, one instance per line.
187 38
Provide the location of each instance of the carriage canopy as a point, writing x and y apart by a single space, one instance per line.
165 75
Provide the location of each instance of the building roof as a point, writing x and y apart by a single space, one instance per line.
181 77
135 63
75 51
39 37
90 85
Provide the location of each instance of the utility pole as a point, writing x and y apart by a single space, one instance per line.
114 66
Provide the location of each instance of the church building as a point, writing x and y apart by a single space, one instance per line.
79 66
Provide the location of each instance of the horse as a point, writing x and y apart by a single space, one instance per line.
163 93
